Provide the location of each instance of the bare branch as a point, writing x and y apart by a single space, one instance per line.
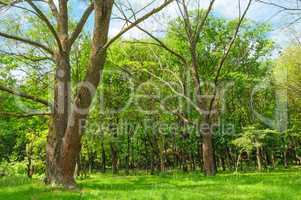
27 41
137 22
185 17
193 37
159 42
200 26
279 6
173 90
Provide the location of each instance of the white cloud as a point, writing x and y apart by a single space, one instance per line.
225 8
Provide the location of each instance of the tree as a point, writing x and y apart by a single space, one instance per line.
252 138
64 136
287 72
193 25
286 77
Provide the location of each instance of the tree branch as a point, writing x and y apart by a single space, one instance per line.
24 95
200 26
53 8
138 21
47 22
173 90
26 57
14 4
20 115
279 6
159 42
226 54
81 24
27 41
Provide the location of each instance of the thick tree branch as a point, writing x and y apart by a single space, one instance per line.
47 22
81 24
24 95
53 8
27 41
63 21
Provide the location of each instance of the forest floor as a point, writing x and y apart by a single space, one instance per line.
275 185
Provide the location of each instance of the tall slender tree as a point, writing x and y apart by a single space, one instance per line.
204 103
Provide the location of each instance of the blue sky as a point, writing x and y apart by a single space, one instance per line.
226 8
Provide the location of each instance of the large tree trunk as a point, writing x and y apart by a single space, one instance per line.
61 106
58 123
205 110
65 132
66 128
63 142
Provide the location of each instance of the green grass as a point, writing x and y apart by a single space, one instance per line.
279 185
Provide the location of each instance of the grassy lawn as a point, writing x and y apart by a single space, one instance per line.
273 185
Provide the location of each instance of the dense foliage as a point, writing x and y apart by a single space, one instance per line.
144 114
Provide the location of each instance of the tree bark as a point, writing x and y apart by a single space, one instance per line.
114 158
238 160
284 155
63 141
29 159
65 134
208 153
114 154
127 157
258 158
103 155
58 123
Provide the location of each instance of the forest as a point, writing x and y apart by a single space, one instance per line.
154 99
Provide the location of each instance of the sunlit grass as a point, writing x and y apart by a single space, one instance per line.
273 185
